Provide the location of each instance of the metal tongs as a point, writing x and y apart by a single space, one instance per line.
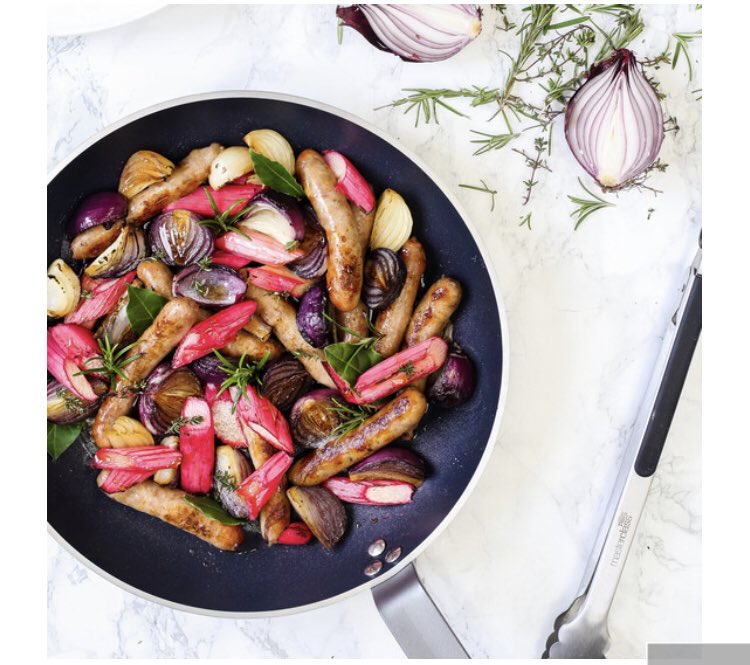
581 631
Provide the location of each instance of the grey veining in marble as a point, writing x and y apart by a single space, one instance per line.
586 311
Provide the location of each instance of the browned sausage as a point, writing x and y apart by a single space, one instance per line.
434 311
282 317
189 174
393 320
364 221
169 505
344 274
157 277
354 321
275 515
93 241
158 340
245 343
402 414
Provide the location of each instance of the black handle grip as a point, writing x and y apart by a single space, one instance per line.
675 373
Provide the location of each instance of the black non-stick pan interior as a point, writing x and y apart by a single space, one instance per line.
169 564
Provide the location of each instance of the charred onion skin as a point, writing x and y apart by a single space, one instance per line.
321 511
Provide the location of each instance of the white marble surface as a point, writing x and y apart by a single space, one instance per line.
586 311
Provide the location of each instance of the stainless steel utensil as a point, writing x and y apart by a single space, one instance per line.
581 630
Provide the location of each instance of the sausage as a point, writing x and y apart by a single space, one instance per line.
393 320
189 174
364 221
282 317
245 343
158 340
93 241
402 414
434 311
355 321
276 513
157 277
344 274
169 505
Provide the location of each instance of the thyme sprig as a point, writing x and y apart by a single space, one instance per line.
112 359
245 373
352 416
223 222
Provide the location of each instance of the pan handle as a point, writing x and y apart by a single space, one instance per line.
413 619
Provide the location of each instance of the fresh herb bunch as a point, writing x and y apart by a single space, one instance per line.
245 373
352 416
112 360
556 46
223 222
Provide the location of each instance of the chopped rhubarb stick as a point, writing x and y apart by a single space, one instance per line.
141 458
197 447
261 416
61 366
297 533
226 421
235 197
258 247
401 369
77 343
370 492
260 485
213 333
103 299
229 259
350 181
344 388
279 280
117 480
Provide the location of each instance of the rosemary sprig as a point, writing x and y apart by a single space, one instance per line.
484 188
245 373
223 222
111 360
682 47
352 416
177 423
363 341
587 207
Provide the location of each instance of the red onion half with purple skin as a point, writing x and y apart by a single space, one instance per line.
178 239
96 209
415 33
614 123
216 285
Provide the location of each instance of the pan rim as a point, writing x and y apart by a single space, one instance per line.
489 266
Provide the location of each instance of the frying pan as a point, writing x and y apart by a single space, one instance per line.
161 563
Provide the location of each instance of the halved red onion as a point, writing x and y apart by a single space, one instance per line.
99 208
277 215
390 463
416 33
614 123
215 285
283 382
178 239
164 396
208 369
314 417
64 408
122 256
314 262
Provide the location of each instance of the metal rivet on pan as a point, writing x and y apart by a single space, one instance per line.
376 548
393 555
373 568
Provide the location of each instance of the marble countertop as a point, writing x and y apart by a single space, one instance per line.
586 313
